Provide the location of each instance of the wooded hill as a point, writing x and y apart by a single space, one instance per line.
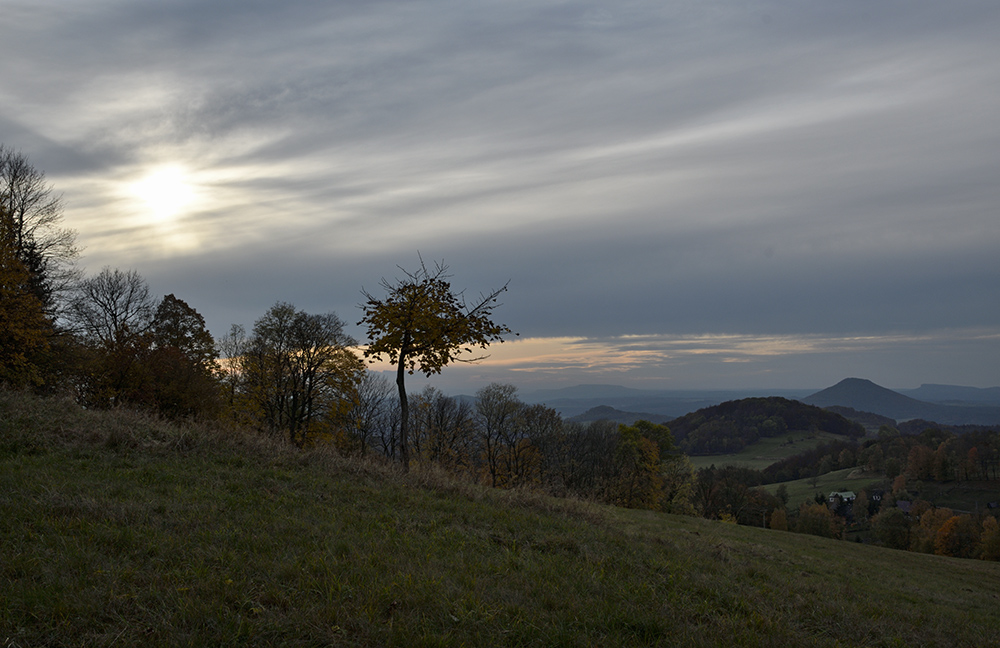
608 413
731 426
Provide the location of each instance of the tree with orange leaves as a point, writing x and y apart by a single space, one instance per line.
422 324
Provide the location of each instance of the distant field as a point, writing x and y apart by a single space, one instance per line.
852 479
769 450
960 496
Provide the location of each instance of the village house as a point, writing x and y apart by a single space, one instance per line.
845 496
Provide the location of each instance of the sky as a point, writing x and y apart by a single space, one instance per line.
678 195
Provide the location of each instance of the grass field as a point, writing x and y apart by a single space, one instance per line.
767 451
850 479
117 529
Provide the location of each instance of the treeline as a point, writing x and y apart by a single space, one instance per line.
932 455
499 440
730 427
898 520
108 342
37 270
824 458
917 525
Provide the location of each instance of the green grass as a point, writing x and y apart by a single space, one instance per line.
117 529
852 479
960 496
768 450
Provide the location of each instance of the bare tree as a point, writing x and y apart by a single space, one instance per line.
497 407
577 458
112 313
112 307
369 416
33 215
232 347
523 459
388 433
443 430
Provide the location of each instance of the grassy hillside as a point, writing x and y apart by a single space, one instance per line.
768 450
116 529
802 490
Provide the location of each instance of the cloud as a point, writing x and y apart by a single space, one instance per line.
674 169
744 361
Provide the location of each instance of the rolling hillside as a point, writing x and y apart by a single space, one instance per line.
120 529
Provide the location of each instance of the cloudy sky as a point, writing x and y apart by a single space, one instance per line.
681 194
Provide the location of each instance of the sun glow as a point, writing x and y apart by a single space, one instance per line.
166 192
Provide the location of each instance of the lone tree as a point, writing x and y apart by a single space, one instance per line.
423 325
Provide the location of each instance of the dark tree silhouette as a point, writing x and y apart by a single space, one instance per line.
422 324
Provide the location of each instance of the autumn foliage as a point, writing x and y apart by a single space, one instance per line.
23 324
422 324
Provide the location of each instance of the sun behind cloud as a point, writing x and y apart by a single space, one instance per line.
166 192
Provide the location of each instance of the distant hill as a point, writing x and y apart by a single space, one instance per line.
578 400
871 422
952 404
731 426
954 394
608 413
866 396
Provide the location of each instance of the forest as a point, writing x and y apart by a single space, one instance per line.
106 342
731 426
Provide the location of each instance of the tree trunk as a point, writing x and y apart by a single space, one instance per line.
404 411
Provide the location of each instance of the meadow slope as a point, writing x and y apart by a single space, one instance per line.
120 529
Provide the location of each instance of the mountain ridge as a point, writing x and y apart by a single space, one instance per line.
956 405
866 396
954 394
